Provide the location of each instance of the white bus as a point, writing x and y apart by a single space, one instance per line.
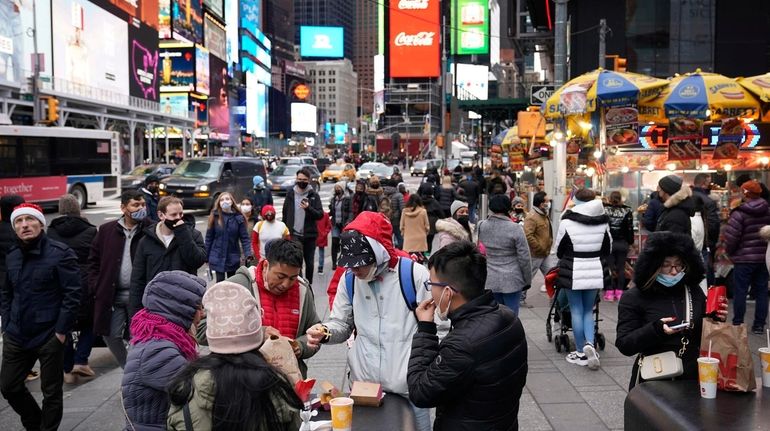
43 163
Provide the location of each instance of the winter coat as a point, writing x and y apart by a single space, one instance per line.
201 406
259 198
378 312
621 222
324 226
537 229
477 383
186 252
396 204
652 214
7 241
151 201
78 234
226 241
449 231
639 330
41 293
677 211
345 207
509 268
104 263
471 189
744 245
313 213
435 213
415 228
446 195
582 246
365 202
710 215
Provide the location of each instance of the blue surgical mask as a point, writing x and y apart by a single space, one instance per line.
226 205
669 280
139 214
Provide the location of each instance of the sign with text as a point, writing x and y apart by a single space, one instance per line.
143 79
470 33
326 42
35 189
214 38
622 125
414 39
538 94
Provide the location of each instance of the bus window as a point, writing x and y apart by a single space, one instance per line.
36 157
9 166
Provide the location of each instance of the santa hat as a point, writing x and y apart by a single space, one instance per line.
28 209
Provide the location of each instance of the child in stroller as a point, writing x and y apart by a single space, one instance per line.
559 313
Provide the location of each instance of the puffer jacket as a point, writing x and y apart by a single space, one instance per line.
537 229
582 246
396 204
78 234
639 328
446 195
449 231
384 324
676 213
477 383
509 265
621 222
652 214
744 245
227 241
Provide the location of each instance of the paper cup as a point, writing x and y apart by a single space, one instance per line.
342 413
764 360
708 373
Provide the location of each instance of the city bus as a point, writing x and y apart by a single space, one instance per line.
42 163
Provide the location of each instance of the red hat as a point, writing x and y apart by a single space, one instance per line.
28 209
752 189
267 208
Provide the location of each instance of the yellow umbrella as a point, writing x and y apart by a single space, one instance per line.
604 88
758 85
703 95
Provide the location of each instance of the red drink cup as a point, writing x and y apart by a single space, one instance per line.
716 294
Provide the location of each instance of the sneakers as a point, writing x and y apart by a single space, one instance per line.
83 370
618 294
577 359
759 330
609 296
543 289
592 357
320 271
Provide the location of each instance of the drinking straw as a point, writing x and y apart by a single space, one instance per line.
768 338
709 348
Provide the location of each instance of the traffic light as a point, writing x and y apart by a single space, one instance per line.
53 110
619 64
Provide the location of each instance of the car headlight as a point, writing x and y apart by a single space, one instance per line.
203 188
162 186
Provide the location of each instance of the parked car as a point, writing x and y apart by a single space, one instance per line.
421 167
135 178
371 169
199 181
283 177
297 161
339 171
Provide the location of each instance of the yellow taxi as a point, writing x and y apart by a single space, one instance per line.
339 171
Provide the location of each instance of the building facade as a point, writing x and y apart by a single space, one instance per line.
333 86
366 47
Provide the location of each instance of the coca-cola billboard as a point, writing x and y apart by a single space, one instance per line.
415 36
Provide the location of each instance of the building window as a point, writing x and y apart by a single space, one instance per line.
332 72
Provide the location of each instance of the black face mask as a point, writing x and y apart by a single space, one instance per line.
270 217
519 210
463 220
338 192
302 184
170 223
374 186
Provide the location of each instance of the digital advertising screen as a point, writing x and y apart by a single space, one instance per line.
17 44
199 105
219 107
473 79
250 15
187 20
202 76
177 67
256 106
175 104
231 34
214 38
85 46
143 62
337 131
216 7
325 42
414 38
164 19
146 11
303 118
470 31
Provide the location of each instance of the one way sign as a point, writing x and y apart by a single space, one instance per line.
540 93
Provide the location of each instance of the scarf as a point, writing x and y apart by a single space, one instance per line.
146 326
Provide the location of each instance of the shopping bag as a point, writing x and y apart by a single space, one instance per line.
729 344
277 352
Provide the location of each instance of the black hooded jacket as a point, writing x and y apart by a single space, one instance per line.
676 213
639 329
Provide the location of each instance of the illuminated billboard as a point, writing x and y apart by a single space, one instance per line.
336 131
175 104
231 33
473 80
470 27
199 105
250 15
89 46
164 19
16 43
143 62
177 68
325 42
215 6
256 106
219 107
414 39
303 117
187 20
214 38
202 70
145 11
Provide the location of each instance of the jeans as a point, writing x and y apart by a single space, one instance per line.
422 418
472 213
617 262
510 300
581 306
308 251
221 276
78 355
544 264
336 231
116 341
16 363
754 274
321 258
398 239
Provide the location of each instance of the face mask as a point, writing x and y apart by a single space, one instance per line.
302 184
152 188
370 276
226 205
547 207
463 220
246 208
138 214
338 192
270 217
443 315
374 186
519 210
170 223
669 280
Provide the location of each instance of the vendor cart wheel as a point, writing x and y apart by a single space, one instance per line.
557 343
600 341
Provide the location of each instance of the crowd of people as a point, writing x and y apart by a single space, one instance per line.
430 292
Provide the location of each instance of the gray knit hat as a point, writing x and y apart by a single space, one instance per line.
670 184
456 205
68 205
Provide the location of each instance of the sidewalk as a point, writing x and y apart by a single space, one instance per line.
558 395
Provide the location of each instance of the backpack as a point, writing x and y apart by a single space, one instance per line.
405 277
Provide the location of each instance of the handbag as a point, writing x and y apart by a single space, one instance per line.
666 365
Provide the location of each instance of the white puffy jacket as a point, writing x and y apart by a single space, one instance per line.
582 244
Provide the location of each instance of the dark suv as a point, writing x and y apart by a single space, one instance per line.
199 181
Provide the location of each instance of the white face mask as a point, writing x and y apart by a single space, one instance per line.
546 207
443 315
246 208
370 275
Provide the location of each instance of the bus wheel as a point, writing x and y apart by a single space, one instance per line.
80 194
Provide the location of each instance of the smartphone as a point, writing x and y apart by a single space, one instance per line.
680 326
305 202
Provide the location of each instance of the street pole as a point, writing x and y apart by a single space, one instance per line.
602 42
442 80
560 75
36 117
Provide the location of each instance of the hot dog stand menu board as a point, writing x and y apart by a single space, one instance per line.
622 125
684 139
729 140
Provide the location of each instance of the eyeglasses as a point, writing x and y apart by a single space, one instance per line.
668 268
429 285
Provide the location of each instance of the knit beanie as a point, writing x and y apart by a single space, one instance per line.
257 180
28 209
670 184
233 319
68 205
456 205
752 189
500 204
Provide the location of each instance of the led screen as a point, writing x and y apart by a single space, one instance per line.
327 42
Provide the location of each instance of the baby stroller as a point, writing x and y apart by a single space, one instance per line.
560 313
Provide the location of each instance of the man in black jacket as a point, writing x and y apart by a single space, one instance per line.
678 205
171 244
38 304
475 376
301 209
701 187
471 188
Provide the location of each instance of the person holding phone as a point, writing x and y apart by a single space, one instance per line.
653 315
301 210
